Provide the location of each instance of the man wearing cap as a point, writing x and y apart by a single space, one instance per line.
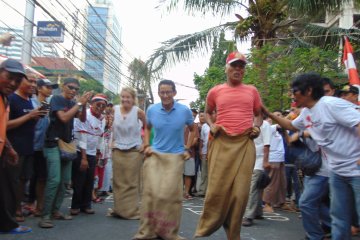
89 141
63 110
350 93
44 91
11 74
20 132
231 154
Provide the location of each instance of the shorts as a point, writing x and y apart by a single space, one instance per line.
26 164
40 170
189 167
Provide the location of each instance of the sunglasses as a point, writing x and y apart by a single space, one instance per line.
238 64
100 105
72 88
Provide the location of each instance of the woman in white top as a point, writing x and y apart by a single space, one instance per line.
126 156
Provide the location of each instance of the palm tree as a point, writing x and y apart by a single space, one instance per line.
140 80
276 21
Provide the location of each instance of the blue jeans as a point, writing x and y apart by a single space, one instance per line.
314 210
344 192
292 183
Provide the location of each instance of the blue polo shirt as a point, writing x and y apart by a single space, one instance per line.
169 127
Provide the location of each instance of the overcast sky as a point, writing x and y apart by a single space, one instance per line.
143 30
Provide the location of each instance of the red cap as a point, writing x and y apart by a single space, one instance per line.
235 56
99 97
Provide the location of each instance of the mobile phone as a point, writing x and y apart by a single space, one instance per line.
44 106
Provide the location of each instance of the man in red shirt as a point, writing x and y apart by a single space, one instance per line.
231 154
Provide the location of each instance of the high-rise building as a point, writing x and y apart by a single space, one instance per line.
14 50
102 53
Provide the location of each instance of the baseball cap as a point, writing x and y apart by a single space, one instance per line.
235 56
349 89
99 97
46 82
13 66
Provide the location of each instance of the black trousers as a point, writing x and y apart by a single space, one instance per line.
83 183
9 179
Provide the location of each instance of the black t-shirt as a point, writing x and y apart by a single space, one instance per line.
22 137
57 129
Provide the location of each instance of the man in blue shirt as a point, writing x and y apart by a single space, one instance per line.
163 166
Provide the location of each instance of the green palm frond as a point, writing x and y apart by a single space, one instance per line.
313 6
216 7
182 47
328 37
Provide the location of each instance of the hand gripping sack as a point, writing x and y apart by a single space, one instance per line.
67 150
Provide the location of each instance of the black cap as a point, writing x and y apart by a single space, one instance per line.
13 66
46 82
349 89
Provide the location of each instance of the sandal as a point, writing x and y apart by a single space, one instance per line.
19 218
18 230
61 216
88 211
46 223
97 200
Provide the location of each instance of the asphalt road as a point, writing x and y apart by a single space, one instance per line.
276 226
279 225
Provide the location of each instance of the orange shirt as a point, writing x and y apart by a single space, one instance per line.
235 106
4 115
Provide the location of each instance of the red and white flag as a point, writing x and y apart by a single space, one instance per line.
349 62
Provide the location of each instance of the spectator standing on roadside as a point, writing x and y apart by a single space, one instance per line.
38 181
203 148
254 206
88 136
11 75
63 110
21 131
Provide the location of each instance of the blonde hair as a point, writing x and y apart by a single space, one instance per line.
132 93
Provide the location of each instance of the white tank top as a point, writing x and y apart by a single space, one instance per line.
126 129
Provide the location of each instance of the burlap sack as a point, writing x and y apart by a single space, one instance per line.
126 183
231 161
162 197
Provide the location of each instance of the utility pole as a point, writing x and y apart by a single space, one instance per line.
28 32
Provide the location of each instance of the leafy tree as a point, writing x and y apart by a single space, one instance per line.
267 21
283 66
91 85
214 74
140 79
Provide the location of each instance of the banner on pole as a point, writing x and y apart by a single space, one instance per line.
50 31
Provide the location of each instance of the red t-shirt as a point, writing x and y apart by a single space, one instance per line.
235 106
